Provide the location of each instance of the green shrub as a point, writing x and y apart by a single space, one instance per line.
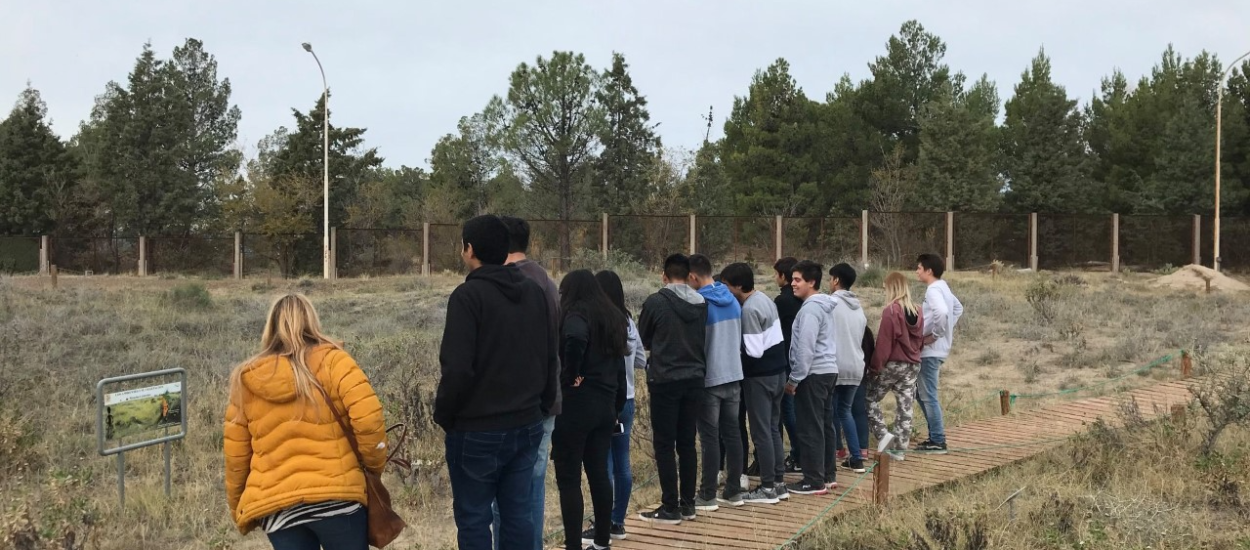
189 296
872 277
1043 295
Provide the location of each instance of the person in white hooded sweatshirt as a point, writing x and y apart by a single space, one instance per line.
941 311
849 324
813 374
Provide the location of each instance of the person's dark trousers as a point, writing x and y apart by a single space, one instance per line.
840 414
674 413
348 532
619 466
811 404
742 432
762 398
493 465
789 422
583 438
719 415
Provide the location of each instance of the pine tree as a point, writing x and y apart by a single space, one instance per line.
959 150
36 169
629 141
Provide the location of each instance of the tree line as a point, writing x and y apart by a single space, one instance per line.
567 140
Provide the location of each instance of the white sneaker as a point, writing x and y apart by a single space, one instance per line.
884 444
896 456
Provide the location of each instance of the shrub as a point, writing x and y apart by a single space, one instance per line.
872 277
1043 295
189 296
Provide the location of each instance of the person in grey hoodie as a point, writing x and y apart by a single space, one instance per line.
673 330
722 393
849 323
813 375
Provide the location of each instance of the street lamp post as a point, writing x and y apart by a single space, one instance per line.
1218 112
326 264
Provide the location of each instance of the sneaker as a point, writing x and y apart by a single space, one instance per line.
897 456
660 515
753 469
688 512
810 489
793 466
705 505
884 444
842 454
932 448
853 465
617 533
831 485
593 546
735 499
782 492
762 495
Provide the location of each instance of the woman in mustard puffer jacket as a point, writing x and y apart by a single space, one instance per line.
289 468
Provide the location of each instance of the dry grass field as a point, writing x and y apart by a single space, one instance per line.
1145 487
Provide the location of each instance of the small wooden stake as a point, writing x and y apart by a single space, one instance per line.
1178 414
881 480
52 271
1004 401
1187 365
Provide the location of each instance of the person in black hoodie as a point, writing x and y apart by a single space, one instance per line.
787 309
593 345
672 327
499 373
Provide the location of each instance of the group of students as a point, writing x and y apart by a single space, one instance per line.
531 372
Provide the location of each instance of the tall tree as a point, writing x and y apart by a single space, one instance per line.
904 81
549 124
959 151
630 144
1045 158
36 170
463 166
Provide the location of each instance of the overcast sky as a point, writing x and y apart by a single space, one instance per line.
408 71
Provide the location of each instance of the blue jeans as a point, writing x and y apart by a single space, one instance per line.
789 421
927 391
348 532
843 421
859 411
493 466
538 492
619 467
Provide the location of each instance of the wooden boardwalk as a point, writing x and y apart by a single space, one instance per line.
975 447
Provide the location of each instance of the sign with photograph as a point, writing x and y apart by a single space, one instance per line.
140 410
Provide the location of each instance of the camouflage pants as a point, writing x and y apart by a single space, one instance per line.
899 378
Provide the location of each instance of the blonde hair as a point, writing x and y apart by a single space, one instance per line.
292 329
897 290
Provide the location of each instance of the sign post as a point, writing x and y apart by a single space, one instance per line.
133 414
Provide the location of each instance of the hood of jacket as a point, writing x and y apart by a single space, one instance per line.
847 298
717 295
273 378
824 301
685 301
507 278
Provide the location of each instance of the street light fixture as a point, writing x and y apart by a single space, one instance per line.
326 264
1218 112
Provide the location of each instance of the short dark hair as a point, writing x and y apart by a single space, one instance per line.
785 267
677 267
701 265
740 275
845 274
489 237
932 262
809 270
518 234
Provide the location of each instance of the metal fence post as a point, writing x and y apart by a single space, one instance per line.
694 229
1115 243
425 249
44 242
1033 241
781 223
863 239
604 230
950 241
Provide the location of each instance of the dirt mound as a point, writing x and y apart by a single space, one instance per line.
1195 277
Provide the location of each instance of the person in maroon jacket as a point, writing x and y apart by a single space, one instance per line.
895 365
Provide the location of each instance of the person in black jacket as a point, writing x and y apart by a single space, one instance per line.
672 329
787 309
499 373
593 345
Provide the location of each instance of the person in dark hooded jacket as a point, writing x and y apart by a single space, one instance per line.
499 372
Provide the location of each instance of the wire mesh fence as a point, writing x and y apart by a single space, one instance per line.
893 240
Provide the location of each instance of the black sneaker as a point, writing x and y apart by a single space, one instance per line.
928 446
754 469
809 489
688 512
853 465
660 515
593 546
793 466
617 532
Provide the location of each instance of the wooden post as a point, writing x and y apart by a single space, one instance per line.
604 230
52 271
1197 239
1115 243
238 254
334 253
881 480
1187 365
781 223
143 256
425 249
44 242
1178 414
950 241
863 239
694 229
1004 401
1033 241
